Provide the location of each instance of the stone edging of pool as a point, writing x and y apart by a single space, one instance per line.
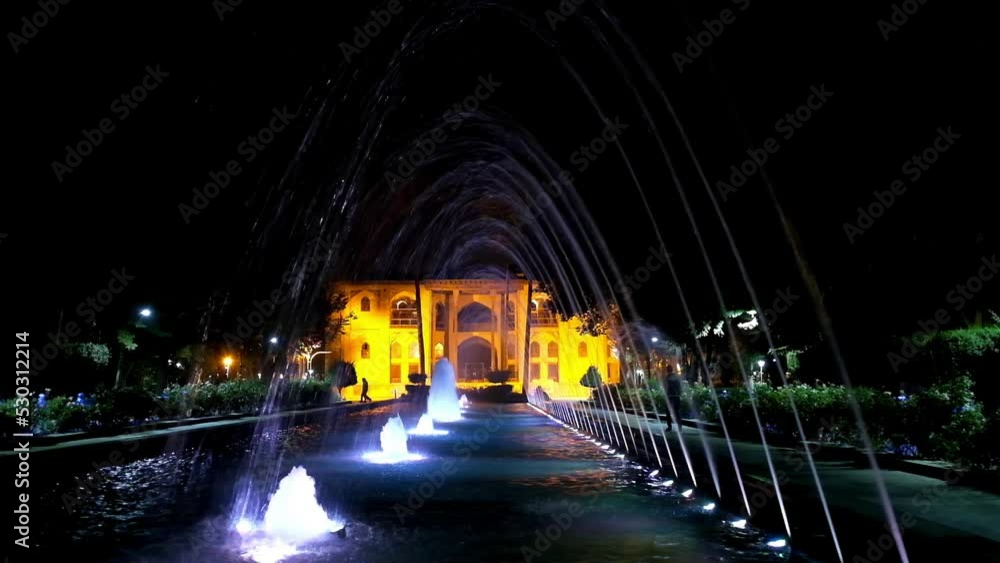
167 426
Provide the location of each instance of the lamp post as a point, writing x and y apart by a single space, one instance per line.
227 361
309 359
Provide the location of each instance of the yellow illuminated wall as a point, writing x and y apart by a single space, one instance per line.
464 321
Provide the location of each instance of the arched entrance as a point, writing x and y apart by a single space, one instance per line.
475 358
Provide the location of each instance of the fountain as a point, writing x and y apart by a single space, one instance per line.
294 517
393 440
464 401
442 401
425 427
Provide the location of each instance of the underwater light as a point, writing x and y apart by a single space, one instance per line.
668 482
687 493
777 543
605 447
739 524
709 507
654 473
244 527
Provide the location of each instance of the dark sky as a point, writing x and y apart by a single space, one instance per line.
223 79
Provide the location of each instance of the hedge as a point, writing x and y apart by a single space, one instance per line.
122 407
945 421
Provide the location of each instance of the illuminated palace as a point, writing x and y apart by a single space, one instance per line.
479 325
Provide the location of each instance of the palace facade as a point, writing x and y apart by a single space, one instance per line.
479 325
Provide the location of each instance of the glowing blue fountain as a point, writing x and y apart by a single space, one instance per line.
293 519
442 401
425 427
393 439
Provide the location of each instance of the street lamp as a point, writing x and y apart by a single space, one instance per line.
146 312
227 361
274 340
309 359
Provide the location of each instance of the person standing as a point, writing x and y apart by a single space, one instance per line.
364 391
673 389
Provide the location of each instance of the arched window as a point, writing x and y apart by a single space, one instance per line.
366 304
438 351
511 317
535 350
414 350
366 351
440 317
581 350
475 317
543 314
395 351
553 351
404 313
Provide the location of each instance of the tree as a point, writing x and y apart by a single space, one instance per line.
126 341
596 321
95 353
592 379
337 321
344 375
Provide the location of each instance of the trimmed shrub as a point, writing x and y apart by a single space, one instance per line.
592 378
499 376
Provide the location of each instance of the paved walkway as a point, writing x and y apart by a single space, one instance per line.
967 518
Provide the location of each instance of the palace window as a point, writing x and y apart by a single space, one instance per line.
404 313
366 304
475 317
581 350
440 317
366 351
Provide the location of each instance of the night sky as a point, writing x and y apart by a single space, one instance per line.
218 81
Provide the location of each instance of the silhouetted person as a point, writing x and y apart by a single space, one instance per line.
673 388
364 391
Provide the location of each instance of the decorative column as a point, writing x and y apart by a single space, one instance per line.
452 326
